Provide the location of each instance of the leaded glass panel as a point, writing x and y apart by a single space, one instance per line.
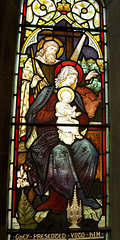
59 159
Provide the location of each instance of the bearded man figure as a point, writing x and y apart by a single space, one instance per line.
37 74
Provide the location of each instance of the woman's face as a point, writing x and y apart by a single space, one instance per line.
70 80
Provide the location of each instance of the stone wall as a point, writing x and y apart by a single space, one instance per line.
9 13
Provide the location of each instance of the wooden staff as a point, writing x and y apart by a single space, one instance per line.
33 61
34 69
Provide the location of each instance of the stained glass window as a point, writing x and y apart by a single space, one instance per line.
59 153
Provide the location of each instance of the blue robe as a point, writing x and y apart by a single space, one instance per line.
53 163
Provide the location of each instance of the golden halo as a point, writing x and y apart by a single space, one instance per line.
66 89
58 41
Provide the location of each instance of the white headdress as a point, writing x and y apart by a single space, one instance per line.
65 71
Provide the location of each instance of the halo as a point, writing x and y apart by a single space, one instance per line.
58 41
70 63
66 89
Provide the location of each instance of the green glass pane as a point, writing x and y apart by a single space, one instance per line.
107 163
13 132
105 52
18 43
105 38
15 84
9 237
9 219
12 152
104 16
107 215
10 199
107 189
11 176
22 1
103 4
104 28
20 21
20 29
14 106
107 236
17 63
107 139
107 115
106 72
106 92
13 120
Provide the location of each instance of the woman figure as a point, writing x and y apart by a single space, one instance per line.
53 165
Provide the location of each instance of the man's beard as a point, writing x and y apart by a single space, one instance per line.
50 58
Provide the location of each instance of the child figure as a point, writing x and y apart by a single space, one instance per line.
66 115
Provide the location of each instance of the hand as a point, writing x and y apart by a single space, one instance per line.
74 108
78 114
35 80
68 118
91 74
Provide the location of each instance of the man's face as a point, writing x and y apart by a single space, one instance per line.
50 55
52 49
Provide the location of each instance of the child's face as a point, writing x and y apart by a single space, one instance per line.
66 97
